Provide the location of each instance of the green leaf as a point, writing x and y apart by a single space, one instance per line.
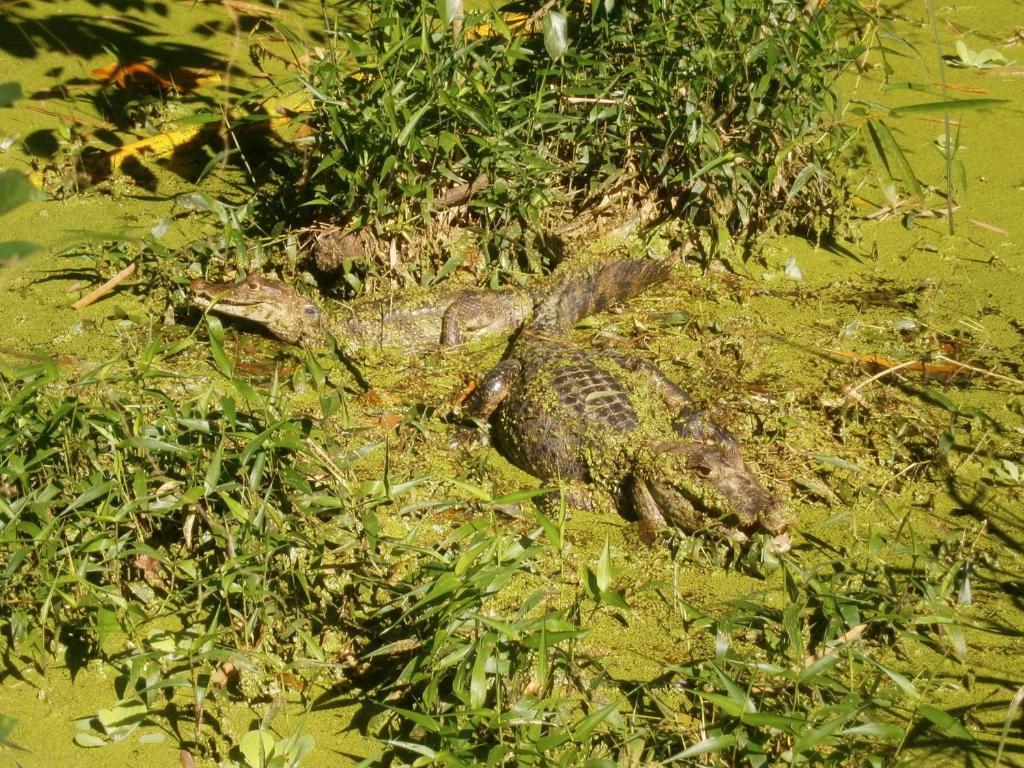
590 722
945 721
800 181
16 190
403 137
419 749
703 747
772 720
614 598
7 726
556 35
9 93
449 11
816 736
478 677
835 461
215 331
16 249
892 147
257 747
213 469
966 54
886 731
89 740
424 721
818 666
551 530
603 572
902 682
106 624
951 105
724 703
124 717
152 444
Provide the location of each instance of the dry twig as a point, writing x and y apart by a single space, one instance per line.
98 293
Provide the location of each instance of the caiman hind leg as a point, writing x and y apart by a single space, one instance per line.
691 422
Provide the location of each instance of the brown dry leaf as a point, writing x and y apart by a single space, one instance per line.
467 390
151 570
289 680
148 564
371 397
139 74
390 419
989 227
225 674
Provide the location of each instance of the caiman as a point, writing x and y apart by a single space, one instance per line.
410 325
616 424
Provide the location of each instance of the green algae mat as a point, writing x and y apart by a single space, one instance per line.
219 550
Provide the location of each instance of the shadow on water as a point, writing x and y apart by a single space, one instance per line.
150 31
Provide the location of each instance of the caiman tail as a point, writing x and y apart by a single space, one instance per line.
590 291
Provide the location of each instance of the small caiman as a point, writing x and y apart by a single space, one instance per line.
416 324
614 423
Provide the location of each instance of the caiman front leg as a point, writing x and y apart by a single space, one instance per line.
483 313
493 389
485 399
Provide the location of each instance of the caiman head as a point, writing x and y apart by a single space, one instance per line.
698 485
278 307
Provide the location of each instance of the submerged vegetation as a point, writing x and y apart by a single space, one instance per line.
254 547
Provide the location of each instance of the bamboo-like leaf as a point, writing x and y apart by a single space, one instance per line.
893 149
704 746
945 721
587 725
885 731
950 104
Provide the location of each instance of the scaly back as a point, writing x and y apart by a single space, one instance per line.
593 289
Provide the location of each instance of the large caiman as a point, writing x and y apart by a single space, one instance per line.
607 422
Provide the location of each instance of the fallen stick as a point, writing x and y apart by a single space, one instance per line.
949 368
98 293
844 639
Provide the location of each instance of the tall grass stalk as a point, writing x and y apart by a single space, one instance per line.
947 149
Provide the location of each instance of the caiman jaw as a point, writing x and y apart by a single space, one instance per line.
276 306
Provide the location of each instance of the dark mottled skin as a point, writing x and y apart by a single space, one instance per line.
617 424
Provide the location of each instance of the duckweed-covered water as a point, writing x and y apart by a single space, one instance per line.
773 348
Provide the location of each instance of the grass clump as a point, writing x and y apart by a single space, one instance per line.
726 114
815 679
